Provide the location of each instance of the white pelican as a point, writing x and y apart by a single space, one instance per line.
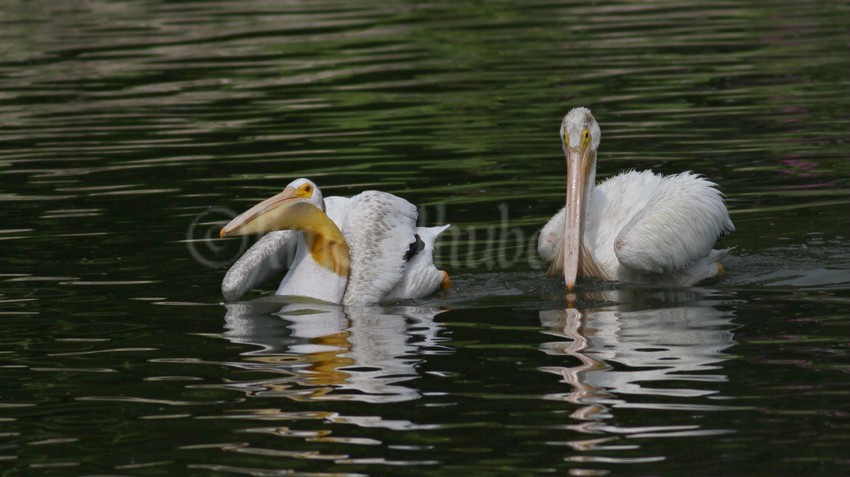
353 251
638 227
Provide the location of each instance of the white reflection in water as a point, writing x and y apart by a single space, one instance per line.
626 358
330 352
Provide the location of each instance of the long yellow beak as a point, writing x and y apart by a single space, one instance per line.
262 217
577 164
290 211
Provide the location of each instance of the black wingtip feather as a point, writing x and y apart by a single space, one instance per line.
415 247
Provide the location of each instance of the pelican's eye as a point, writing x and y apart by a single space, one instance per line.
305 191
585 139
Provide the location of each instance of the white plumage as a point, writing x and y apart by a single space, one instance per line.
418 276
390 257
636 226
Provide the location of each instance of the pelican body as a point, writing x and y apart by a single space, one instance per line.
637 227
355 251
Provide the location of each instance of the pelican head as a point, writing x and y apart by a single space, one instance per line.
298 207
580 135
280 212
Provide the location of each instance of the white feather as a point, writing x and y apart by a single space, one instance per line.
336 207
670 222
552 236
306 278
378 228
420 276
268 257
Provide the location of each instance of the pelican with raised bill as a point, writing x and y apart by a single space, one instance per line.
354 251
637 227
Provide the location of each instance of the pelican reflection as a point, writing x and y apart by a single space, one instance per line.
328 352
637 359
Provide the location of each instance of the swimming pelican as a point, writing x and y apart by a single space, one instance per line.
638 227
353 251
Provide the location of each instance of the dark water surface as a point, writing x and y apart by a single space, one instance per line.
130 131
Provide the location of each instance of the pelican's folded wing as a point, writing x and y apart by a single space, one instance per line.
551 236
268 257
421 277
678 226
379 228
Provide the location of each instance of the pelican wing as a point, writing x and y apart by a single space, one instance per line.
421 277
677 225
379 228
268 257
551 238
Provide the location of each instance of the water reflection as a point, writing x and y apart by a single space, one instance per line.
328 352
628 359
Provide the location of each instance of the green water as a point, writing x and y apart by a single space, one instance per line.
130 131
